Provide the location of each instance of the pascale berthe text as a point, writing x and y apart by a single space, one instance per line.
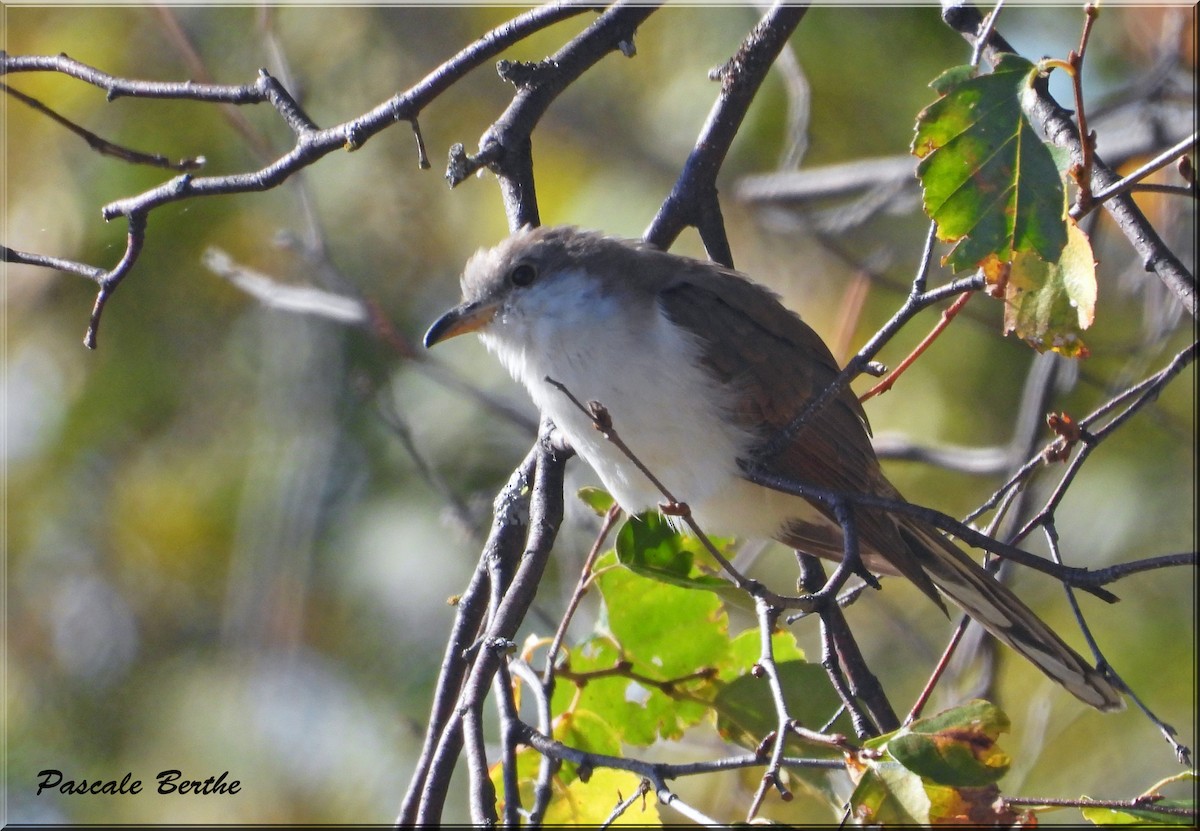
169 782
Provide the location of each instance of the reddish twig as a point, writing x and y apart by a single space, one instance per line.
947 316
1082 172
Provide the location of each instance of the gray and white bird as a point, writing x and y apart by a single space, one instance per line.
698 367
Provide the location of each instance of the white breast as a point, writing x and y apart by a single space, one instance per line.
664 404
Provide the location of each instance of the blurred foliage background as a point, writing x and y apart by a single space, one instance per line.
221 555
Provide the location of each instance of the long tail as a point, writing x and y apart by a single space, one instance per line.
1000 612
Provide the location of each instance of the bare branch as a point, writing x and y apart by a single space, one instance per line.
505 148
1160 161
311 144
693 199
504 542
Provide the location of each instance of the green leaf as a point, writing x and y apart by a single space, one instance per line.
988 180
1050 304
1147 813
598 499
652 673
746 649
649 546
952 77
667 630
956 747
746 711
887 793
585 730
1139 816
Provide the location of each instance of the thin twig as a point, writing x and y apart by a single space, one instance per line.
1136 804
311 143
1160 161
504 541
939 669
506 146
545 515
767 618
506 706
482 792
890 380
1147 392
858 688
103 146
628 802
585 579
1081 578
1082 172
1182 752
548 766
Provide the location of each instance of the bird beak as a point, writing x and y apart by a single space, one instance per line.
467 317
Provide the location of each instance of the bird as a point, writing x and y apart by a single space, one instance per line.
698 368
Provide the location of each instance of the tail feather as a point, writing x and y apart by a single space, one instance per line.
1008 619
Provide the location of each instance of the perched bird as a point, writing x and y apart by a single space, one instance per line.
698 368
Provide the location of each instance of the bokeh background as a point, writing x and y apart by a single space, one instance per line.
223 554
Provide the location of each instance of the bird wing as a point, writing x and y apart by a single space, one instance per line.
774 362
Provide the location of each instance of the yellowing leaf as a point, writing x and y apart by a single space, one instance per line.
592 802
886 793
1050 304
987 179
971 806
957 747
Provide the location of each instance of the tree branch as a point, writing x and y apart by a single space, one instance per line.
311 144
506 147
504 542
693 199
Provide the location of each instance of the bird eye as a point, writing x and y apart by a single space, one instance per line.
522 274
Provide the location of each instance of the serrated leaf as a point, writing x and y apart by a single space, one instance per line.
1050 304
585 730
952 77
957 747
746 649
988 180
668 630
652 673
